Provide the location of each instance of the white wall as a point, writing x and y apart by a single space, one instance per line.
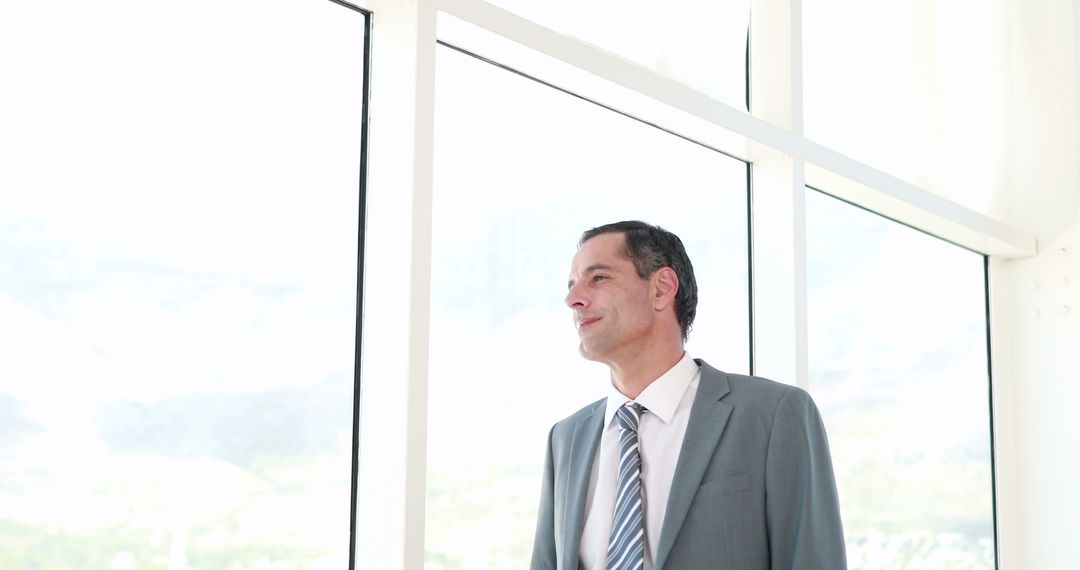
1039 424
1036 301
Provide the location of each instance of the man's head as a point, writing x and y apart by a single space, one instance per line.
638 278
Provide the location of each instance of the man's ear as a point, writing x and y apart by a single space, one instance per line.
666 285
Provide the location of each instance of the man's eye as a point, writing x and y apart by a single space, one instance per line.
599 277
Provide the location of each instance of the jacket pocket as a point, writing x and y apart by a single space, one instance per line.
726 483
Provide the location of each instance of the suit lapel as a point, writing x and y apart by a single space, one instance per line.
582 453
708 416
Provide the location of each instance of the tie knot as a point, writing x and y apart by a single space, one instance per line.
628 415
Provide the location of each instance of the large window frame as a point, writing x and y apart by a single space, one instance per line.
393 416
208 252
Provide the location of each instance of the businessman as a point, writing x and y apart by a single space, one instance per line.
682 466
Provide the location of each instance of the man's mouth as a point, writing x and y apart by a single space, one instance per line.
585 322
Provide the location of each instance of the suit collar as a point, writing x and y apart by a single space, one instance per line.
662 396
708 417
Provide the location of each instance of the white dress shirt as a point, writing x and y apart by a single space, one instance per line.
660 435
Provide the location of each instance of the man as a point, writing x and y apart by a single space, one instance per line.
682 466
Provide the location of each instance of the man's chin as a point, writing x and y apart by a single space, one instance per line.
589 353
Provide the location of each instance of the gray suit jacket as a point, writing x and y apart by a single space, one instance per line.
753 487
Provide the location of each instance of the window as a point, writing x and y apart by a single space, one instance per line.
178 246
898 366
520 171
178 283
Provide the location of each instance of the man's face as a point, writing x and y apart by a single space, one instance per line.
613 309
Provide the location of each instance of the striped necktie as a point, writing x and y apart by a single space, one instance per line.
626 548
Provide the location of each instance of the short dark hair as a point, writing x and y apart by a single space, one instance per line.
649 248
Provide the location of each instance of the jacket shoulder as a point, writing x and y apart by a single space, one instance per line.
765 387
755 388
573 420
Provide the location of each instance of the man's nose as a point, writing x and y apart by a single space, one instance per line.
575 299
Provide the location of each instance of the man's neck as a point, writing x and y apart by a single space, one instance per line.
631 376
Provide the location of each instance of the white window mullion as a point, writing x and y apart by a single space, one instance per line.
779 258
779 236
1007 459
397 284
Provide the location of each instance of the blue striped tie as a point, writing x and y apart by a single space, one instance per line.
626 548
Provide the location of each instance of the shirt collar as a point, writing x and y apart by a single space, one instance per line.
662 396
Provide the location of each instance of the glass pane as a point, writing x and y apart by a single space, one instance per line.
521 171
898 365
178 248
915 89
701 44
